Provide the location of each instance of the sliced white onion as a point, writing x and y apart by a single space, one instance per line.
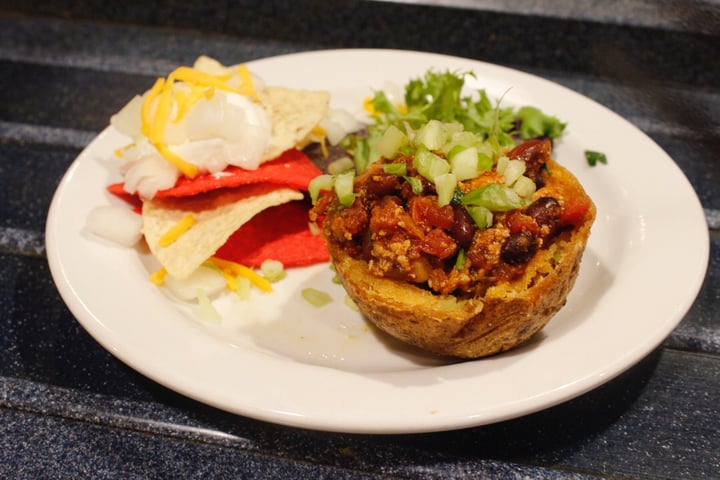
241 124
211 66
338 123
334 132
148 172
116 224
209 155
208 279
128 120
225 129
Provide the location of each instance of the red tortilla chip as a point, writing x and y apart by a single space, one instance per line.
134 201
279 233
292 169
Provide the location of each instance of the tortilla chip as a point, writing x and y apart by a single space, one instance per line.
279 233
222 203
218 214
293 115
292 169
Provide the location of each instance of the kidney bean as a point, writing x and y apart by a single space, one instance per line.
518 248
382 184
463 227
545 211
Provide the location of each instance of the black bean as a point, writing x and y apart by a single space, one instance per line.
518 248
463 227
545 211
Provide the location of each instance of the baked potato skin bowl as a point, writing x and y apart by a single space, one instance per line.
494 301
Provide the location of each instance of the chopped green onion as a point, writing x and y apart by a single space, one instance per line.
482 216
395 168
273 270
391 141
340 165
315 297
430 165
207 312
344 183
494 197
351 303
415 184
485 162
462 139
318 184
502 164
454 150
314 228
524 187
513 171
243 287
464 164
460 260
593 158
432 135
445 185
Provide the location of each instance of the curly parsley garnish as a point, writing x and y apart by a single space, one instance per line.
439 96
593 158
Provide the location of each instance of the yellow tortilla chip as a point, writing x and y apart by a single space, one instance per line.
293 114
217 215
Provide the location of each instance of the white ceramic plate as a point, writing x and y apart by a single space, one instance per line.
278 359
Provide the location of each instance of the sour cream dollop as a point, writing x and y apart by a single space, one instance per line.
208 118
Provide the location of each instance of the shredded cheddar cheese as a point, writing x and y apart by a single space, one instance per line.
148 104
192 76
368 106
158 277
176 230
319 133
188 169
185 101
165 103
246 86
230 280
162 112
235 269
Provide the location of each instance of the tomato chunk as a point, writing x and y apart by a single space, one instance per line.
574 211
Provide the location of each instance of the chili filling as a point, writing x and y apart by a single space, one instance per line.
404 234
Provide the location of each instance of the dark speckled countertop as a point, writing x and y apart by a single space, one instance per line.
70 409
